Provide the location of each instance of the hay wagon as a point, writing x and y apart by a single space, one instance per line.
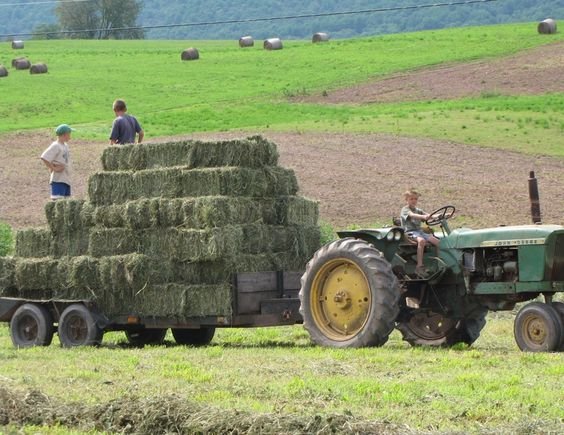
187 235
257 299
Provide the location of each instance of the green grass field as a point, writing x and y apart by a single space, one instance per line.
491 387
230 88
275 375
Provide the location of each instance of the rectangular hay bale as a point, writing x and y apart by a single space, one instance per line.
124 273
105 188
33 243
70 243
69 215
297 210
191 245
83 278
36 278
112 241
179 300
251 152
303 240
7 276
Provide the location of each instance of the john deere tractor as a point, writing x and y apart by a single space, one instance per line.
357 289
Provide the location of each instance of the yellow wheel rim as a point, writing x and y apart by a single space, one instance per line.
535 331
340 299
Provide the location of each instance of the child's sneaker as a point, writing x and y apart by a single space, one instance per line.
412 302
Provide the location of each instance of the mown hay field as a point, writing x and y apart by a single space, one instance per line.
272 380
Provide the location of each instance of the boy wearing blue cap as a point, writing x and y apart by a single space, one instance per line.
57 159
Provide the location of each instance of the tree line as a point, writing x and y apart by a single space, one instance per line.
109 15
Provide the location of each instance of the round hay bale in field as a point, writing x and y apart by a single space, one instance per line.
21 63
15 60
17 45
246 41
273 44
38 68
3 71
547 26
190 54
320 37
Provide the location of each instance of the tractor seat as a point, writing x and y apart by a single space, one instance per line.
406 240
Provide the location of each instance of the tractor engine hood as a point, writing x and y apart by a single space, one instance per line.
504 236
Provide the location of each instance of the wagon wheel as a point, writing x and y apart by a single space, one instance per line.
429 328
538 328
143 337
349 295
31 325
194 337
78 327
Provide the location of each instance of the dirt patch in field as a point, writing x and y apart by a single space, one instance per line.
357 178
24 180
535 71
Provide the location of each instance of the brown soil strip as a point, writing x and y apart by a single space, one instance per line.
535 71
357 178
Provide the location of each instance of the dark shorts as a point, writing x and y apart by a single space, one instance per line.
60 190
419 233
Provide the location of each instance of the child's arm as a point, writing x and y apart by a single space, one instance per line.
54 166
420 217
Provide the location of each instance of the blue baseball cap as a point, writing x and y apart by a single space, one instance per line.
62 129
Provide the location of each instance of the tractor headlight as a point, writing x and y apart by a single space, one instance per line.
397 236
390 236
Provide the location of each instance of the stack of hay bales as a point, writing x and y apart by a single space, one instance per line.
165 228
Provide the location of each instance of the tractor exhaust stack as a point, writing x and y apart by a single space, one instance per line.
534 198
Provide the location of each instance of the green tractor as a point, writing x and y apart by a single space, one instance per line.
357 289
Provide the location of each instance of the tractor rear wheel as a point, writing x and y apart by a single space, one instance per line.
559 307
194 337
538 328
78 327
349 295
143 337
428 328
31 325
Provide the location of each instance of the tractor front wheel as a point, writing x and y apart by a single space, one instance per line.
538 328
349 295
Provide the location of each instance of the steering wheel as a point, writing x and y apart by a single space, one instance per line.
441 214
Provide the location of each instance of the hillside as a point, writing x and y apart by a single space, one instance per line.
353 149
230 88
25 18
